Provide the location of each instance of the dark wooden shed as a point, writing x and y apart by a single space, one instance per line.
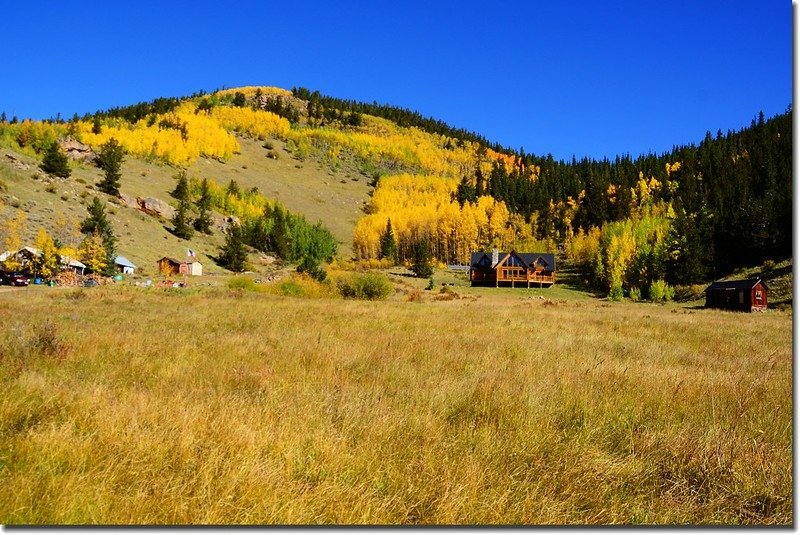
747 295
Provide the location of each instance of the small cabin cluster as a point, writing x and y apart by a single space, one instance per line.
512 269
27 255
748 295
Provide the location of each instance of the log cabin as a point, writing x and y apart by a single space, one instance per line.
512 269
748 295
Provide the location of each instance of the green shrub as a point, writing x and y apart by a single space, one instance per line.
242 283
615 293
660 291
636 295
291 288
371 286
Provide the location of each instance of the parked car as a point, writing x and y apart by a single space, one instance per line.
14 278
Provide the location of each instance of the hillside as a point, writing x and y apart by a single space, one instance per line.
333 196
627 225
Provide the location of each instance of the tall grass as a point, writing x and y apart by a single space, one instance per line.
242 407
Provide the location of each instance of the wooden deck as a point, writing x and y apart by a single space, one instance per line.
531 280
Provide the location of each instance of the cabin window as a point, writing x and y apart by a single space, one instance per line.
758 295
741 297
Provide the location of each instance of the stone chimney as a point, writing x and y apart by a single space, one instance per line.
495 256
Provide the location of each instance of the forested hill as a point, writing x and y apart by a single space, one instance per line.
681 217
731 194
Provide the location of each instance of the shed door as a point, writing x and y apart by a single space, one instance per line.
758 296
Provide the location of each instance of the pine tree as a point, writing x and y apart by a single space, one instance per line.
480 189
233 189
239 100
97 128
203 221
388 243
55 162
181 191
421 258
465 192
109 159
233 255
279 237
182 227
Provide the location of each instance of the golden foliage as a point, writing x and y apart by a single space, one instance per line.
93 253
15 228
178 137
256 123
423 206
46 264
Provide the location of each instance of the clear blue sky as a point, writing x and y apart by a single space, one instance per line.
585 78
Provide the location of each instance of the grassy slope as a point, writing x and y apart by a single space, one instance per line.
499 409
334 197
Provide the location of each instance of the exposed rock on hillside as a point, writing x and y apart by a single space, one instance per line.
155 207
16 163
78 151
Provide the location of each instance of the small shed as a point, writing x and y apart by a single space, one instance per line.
169 266
124 266
194 267
73 265
747 295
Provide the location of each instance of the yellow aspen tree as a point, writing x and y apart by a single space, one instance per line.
93 253
46 264
15 228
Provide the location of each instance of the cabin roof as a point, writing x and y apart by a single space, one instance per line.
170 259
743 284
122 261
529 259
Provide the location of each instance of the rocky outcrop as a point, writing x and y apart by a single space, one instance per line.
127 200
78 151
155 207
221 222
16 163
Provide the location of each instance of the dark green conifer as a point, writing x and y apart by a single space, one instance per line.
109 159
203 221
234 255
388 243
55 162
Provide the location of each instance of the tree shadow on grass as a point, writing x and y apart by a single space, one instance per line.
572 279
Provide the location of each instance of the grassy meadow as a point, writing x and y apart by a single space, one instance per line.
214 406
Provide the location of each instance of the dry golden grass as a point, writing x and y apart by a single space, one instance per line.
216 406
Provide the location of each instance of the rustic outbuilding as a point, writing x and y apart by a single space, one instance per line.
512 269
747 295
169 266
124 266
